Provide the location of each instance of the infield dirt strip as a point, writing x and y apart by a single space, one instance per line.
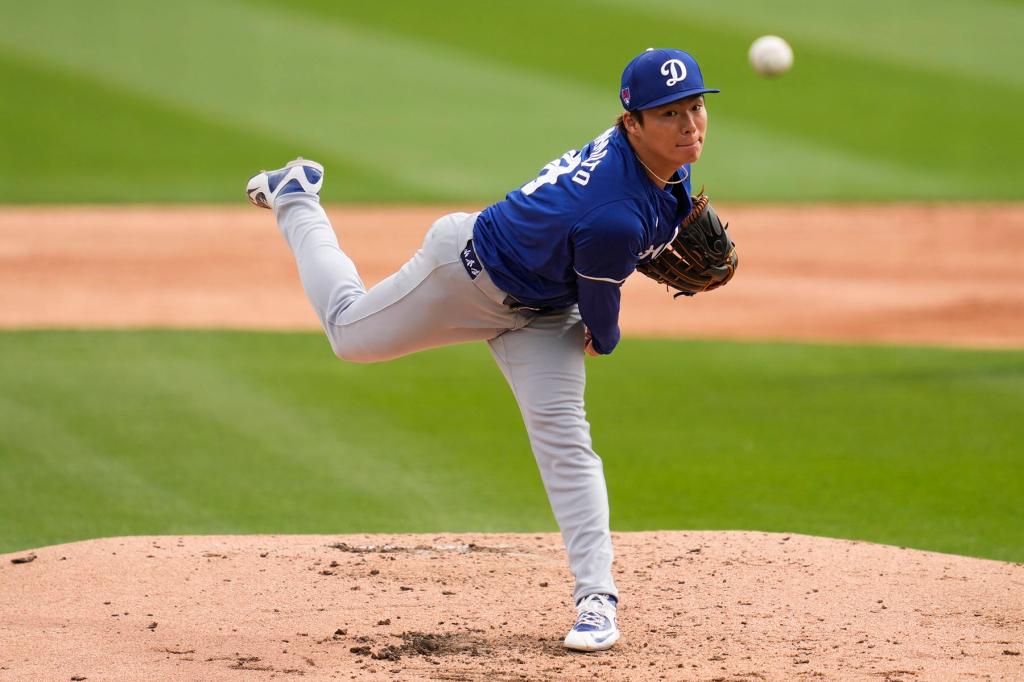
696 605
948 275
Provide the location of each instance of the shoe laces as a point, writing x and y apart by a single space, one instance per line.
592 618
595 609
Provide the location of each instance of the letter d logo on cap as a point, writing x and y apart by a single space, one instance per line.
676 71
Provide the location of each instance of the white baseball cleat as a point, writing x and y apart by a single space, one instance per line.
300 175
595 628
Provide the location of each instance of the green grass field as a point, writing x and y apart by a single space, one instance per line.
452 100
111 433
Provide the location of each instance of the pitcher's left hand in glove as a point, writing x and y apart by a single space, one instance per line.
700 258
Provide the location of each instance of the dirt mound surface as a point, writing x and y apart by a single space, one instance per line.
696 606
948 275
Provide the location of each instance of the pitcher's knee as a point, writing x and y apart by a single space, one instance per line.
350 352
362 352
357 358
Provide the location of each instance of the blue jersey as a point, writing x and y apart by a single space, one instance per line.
576 232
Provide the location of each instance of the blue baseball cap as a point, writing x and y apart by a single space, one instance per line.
657 77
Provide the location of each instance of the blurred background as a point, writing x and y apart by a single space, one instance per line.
448 100
131 105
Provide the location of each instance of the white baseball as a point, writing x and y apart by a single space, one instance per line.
770 56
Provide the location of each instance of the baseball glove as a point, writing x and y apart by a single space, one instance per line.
700 258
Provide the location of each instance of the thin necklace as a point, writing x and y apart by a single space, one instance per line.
667 182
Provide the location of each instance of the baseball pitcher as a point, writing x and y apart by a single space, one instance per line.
538 276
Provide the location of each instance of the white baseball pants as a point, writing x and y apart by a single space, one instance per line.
432 301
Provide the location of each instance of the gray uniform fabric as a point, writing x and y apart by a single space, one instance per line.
431 301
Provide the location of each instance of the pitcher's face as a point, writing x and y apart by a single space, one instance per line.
673 132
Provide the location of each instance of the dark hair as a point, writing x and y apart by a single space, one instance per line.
638 116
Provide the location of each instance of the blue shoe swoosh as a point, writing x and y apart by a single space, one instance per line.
603 639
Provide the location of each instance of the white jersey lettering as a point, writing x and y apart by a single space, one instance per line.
552 171
581 177
569 162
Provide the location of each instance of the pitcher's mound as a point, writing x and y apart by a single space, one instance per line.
695 605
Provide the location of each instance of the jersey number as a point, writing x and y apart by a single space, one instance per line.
568 162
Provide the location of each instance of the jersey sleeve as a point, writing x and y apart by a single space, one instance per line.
599 308
607 243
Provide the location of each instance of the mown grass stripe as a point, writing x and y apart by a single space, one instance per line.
977 41
250 432
297 82
843 125
61 473
417 107
105 144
